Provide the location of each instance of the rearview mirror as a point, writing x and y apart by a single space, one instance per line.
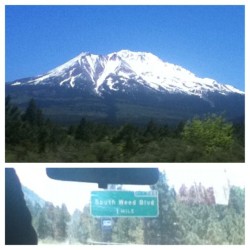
105 176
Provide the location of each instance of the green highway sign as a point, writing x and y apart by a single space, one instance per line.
124 204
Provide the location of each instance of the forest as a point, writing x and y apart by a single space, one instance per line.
31 137
189 216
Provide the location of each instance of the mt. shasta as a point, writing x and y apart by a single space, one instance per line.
144 68
124 84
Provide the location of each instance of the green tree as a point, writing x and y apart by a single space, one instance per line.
33 115
79 227
234 216
61 223
46 221
237 199
164 229
212 133
43 226
13 124
151 131
105 151
128 230
84 131
127 138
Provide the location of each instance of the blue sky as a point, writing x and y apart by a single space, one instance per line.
207 40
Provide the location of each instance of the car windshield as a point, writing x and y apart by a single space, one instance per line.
181 208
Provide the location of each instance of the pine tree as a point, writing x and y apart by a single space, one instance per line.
13 124
44 228
152 131
164 229
33 115
84 131
79 227
62 219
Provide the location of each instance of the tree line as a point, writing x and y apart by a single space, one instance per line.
30 137
185 217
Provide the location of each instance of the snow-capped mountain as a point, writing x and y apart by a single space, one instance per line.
123 87
126 70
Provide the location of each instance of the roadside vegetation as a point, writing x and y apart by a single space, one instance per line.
30 137
189 216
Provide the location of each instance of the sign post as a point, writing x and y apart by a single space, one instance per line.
124 204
